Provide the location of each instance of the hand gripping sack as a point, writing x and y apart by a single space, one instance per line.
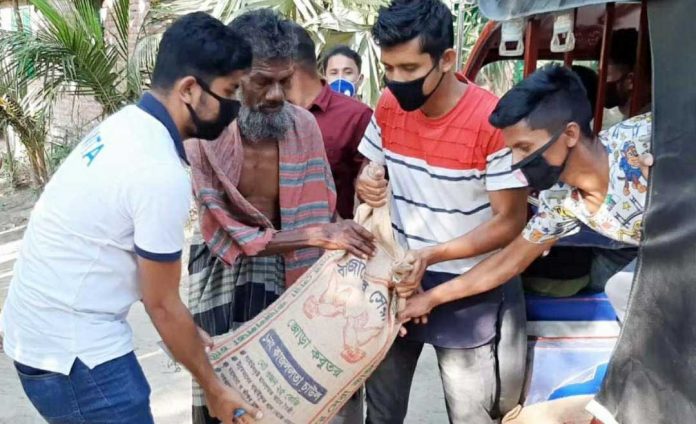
302 358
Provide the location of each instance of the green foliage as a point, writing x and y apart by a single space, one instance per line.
57 153
330 22
9 165
469 24
71 53
27 115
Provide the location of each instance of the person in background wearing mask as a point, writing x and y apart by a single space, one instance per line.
342 120
108 231
265 195
590 81
621 77
599 181
342 67
455 200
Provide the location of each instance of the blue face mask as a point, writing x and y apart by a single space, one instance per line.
343 86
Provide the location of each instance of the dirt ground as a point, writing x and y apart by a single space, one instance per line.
15 206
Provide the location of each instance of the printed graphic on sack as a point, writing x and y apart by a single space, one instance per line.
303 358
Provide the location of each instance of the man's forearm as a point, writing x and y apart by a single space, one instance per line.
175 324
494 234
485 277
490 273
288 241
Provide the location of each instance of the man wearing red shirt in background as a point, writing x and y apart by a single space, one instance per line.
455 199
342 120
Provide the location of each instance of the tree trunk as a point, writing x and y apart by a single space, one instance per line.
39 170
18 15
11 170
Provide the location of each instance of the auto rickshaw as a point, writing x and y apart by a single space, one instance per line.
650 373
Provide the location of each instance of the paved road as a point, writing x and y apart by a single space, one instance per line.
171 390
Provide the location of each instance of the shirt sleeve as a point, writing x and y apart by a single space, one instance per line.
371 144
159 202
499 172
360 129
552 221
643 131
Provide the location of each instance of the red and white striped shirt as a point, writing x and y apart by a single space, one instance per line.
441 169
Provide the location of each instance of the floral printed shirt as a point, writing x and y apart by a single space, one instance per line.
562 209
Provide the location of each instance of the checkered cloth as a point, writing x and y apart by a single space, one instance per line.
222 298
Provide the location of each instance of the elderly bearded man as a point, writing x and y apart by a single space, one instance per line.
265 193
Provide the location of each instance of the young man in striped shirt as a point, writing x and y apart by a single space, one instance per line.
455 199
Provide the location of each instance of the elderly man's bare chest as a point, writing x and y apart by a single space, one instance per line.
258 182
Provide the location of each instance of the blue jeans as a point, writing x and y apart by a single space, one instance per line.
115 392
606 263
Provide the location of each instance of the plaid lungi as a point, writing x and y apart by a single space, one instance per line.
222 298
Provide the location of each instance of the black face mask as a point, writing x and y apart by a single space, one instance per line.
613 96
539 173
210 130
409 94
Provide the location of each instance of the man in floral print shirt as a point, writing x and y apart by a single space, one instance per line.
583 179
562 208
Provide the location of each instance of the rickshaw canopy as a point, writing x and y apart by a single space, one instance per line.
505 10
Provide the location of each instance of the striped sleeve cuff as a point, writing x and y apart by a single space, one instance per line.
371 144
499 172
158 257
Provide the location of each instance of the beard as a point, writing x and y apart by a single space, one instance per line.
256 125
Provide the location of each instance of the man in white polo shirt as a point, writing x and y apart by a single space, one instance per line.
108 231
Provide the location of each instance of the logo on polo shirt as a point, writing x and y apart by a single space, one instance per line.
91 146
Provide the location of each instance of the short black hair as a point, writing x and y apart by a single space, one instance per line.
304 52
404 20
268 32
590 80
341 50
198 45
624 48
549 99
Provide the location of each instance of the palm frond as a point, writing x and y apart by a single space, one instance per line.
69 52
12 113
228 10
141 64
88 20
121 15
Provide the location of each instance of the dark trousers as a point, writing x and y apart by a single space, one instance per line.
468 378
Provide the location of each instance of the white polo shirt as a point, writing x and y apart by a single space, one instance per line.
123 191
